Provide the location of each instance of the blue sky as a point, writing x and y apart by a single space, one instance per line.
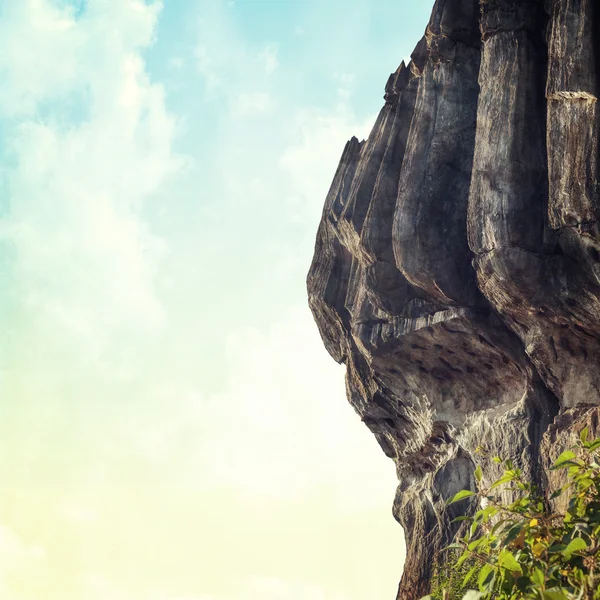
172 427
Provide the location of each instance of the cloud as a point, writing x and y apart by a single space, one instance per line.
305 136
234 71
279 427
283 426
269 58
207 67
46 50
89 140
318 139
254 103
345 81
17 559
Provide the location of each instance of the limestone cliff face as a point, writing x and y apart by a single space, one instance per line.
457 264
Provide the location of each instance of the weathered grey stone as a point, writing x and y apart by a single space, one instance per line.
457 264
573 117
431 247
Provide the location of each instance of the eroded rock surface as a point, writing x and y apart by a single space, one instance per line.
457 264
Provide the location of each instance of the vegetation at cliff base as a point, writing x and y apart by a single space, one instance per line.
525 549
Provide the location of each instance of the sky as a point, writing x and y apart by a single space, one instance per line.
171 427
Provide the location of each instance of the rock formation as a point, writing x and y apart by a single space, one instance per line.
457 264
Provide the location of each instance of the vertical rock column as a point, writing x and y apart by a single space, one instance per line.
386 287
573 119
329 274
429 232
508 196
508 189
360 192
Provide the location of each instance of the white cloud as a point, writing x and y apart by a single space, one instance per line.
233 71
208 67
254 103
89 141
17 557
318 141
306 141
268 56
345 81
45 49
283 423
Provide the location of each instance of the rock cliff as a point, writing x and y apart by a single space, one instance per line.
457 264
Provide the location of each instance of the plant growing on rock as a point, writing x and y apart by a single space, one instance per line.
525 550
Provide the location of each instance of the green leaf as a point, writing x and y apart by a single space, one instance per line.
478 473
497 460
575 545
489 511
538 577
554 594
583 436
461 496
469 575
484 576
459 519
538 549
513 533
475 544
594 445
462 559
557 493
453 547
509 476
504 524
474 527
566 456
507 560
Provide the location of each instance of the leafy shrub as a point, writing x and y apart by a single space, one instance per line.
525 551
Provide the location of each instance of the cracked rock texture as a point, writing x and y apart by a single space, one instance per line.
457 264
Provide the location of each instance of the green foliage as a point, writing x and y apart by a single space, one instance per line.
448 580
523 550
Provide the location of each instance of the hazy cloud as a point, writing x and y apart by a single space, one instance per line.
84 258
